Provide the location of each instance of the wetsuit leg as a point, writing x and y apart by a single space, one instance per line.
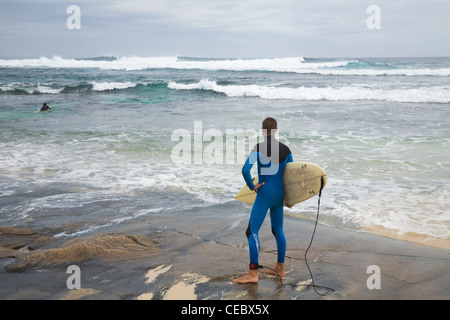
257 217
276 219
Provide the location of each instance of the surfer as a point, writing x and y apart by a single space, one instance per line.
45 108
271 157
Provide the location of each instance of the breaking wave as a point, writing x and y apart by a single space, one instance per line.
348 93
291 64
24 88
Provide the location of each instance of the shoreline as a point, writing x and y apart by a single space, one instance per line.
410 237
392 233
196 257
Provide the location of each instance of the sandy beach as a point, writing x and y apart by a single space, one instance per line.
195 258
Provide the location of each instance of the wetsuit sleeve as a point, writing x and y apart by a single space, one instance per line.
246 170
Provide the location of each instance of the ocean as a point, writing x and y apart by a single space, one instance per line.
137 137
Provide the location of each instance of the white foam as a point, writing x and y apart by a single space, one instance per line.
141 63
348 93
405 212
100 161
106 86
289 64
442 72
46 89
373 202
30 88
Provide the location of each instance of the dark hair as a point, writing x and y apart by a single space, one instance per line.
269 124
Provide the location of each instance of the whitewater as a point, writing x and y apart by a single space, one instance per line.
290 64
380 128
348 93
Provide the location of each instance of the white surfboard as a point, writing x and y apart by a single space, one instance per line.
302 180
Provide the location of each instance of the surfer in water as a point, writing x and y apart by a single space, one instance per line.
45 108
271 157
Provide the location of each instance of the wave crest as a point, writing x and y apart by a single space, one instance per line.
25 89
299 65
348 93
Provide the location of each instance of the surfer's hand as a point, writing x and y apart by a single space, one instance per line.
257 186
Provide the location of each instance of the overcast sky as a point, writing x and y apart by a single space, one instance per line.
225 28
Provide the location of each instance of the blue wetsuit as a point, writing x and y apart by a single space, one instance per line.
271 156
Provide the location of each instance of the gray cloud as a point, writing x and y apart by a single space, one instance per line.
224 28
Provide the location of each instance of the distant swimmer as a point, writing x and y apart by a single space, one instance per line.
44 108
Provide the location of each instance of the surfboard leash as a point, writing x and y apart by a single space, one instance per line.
310 243
306 251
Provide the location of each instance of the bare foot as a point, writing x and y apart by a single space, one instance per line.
250 277
278 271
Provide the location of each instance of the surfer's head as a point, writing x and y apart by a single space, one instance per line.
269 126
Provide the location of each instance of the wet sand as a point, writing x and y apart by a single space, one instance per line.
187 257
